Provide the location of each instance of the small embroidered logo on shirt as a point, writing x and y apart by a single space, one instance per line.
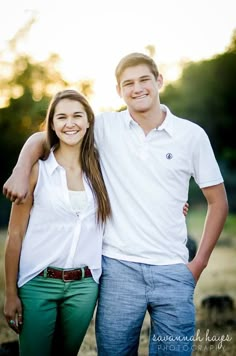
169 156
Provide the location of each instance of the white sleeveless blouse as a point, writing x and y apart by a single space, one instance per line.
62 230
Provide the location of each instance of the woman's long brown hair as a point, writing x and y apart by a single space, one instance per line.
89 157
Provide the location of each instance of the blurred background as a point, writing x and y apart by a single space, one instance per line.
46 46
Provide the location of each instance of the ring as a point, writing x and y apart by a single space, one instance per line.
12 322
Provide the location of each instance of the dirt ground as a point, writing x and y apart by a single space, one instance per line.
215 331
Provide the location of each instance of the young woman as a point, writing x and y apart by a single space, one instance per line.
54 243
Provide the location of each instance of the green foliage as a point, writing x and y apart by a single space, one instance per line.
5 206
24 113
26 86
206 94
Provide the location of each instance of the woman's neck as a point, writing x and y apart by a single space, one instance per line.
68 157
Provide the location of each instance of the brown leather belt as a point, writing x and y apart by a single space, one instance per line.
66 275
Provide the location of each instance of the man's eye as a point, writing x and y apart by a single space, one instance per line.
127 84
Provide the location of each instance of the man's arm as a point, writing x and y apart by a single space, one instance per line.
17 186
214 222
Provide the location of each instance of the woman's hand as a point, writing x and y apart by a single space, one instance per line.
13 313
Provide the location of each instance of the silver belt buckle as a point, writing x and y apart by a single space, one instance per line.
63 277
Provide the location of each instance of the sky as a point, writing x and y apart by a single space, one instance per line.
91 36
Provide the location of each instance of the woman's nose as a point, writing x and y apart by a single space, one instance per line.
70 121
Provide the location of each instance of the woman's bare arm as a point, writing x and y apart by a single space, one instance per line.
16 231
17 186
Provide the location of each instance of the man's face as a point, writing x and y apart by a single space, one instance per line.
139 88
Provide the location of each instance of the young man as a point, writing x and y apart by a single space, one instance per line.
148 156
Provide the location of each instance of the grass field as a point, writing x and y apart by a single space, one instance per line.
218 279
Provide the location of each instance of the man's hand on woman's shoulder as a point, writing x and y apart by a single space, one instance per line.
16 187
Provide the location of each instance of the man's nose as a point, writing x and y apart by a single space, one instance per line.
137 86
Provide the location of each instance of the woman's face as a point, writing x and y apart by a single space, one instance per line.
70 122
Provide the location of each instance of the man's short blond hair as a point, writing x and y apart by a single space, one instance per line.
132 60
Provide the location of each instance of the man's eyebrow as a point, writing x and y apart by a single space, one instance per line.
147 76
127 81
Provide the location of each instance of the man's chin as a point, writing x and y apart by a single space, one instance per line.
142 109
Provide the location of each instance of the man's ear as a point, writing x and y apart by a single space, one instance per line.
118 90
160 81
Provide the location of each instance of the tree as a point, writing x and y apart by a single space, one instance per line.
151 50
206 94
26 87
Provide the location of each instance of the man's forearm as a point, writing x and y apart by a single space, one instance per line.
33 149
215 219
17 186
213 227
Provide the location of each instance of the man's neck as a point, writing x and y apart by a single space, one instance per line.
149 120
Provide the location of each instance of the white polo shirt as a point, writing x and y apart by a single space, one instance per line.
147 178
57 235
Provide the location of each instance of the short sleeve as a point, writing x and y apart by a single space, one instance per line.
99 130
205 167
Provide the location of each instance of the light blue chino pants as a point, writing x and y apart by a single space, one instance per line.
127 291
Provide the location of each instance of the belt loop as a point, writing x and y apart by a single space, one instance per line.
45 273
83 272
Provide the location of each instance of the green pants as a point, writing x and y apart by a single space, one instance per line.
56 315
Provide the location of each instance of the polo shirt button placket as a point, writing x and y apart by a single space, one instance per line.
143 155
